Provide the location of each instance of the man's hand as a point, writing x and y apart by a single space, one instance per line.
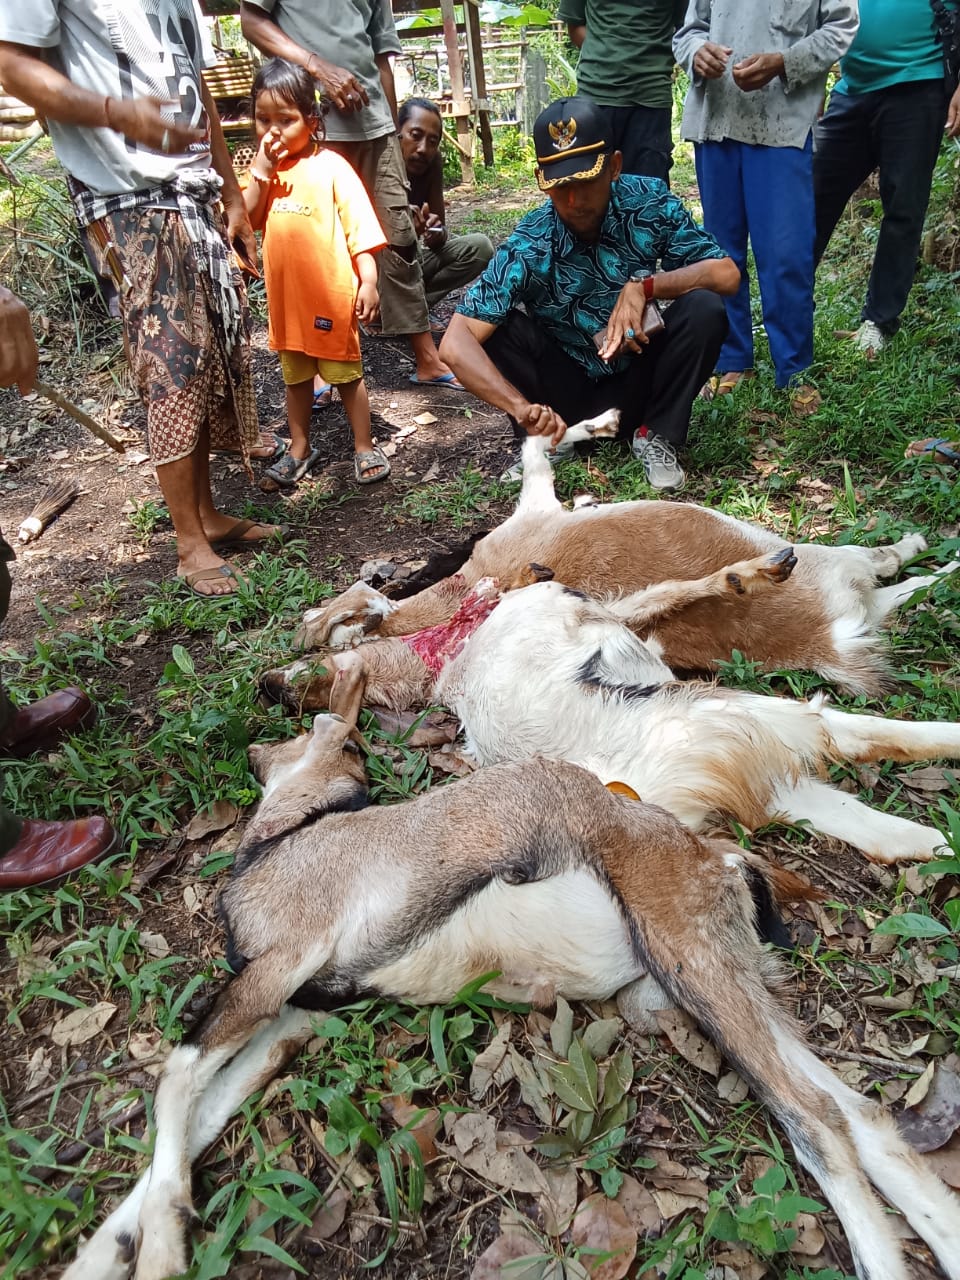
710 60
624 331
757 70
240 233
541 420
953 115
18 347
147 121
341 86
419 213
434 232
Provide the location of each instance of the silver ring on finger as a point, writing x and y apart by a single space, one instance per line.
631 333
165 142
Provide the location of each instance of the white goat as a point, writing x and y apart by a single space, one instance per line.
532 869
827 622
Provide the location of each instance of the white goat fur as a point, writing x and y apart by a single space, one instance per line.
828 622
538 871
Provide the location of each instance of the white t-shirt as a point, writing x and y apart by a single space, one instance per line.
122 49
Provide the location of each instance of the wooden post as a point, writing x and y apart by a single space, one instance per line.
478 76
460 109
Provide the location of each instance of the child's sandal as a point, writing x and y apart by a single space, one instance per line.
373 460
288 469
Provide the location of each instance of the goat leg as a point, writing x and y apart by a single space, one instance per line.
721 975
253 998
109 1253
745 578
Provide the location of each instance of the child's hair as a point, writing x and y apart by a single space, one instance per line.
292 84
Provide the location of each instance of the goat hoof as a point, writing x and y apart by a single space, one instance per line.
733 581
782 564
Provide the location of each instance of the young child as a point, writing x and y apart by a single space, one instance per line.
319 237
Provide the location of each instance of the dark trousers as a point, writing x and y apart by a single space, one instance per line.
657 388
897 130
643 135
10 825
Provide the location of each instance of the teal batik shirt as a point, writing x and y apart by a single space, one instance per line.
570 287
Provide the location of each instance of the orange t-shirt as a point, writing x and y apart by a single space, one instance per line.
319 217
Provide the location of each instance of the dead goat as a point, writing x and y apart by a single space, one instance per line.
534 870
829 621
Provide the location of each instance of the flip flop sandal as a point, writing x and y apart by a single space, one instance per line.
323 398
441 380
936 450
727 383
289 469
807 400
271 446
235 535
191 580
372 460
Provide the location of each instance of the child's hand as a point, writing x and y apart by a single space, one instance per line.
272 152
368 303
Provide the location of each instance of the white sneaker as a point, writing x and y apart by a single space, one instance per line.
561 453
659 459
869 339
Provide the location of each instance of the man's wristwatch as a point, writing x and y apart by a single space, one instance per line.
646 279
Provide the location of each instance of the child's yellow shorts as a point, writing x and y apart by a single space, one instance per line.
297 367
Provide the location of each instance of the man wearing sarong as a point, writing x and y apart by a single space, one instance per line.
138 133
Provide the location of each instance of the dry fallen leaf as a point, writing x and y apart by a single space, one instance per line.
222 814
424 419
559 1202
486 1063
933 1116
478 1146
81 1025
601 1226
502 1258
425 1127
432 473
810 1239
681 1030
945 1161
732 1088
328 1219
639 1205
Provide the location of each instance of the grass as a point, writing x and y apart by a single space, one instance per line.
149 949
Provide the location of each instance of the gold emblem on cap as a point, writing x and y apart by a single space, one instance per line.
563 133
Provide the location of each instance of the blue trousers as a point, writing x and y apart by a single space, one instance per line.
764 195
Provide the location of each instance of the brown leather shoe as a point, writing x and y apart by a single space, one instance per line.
42 724
48 850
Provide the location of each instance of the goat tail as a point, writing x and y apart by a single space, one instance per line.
722 975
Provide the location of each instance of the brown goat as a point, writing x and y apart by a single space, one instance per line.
828 622
534 870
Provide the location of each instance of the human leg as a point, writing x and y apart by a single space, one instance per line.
369 463
454 264
843 158
661 384
720 179
403 302
908 126
642 135
778 191
198 393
